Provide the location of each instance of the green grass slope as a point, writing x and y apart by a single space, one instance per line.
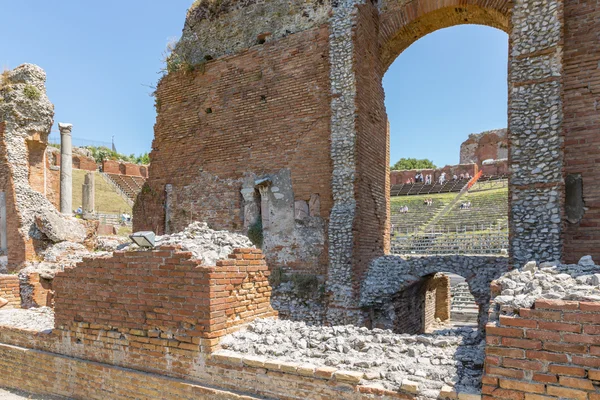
108 201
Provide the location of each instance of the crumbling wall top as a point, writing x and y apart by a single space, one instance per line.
215 28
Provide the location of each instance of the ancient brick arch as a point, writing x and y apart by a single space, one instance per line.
390 275
303 109
401 24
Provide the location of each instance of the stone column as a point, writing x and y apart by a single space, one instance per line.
66 169
88 193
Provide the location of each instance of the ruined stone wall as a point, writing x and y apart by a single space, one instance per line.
122 168
489 145
255 114
26 116
52 183
17 249
581 124
550 350
217 28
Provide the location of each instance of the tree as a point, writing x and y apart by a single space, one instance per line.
413 163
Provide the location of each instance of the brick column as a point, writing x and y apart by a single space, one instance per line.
535 125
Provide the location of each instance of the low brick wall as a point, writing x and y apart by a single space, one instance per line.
9 290
548 352
29 370
160 301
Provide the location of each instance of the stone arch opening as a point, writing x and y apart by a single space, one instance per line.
403 24
361 47
392 282
439 210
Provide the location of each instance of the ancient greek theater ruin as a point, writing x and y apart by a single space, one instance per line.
268 251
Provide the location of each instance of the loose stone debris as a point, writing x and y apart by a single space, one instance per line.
452 357
33 319
205 243
550 280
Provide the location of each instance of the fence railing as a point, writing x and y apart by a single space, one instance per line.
468 242
448 229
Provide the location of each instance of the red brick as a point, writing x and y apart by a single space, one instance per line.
556 304
547 356
545 378
523 386
508 332
566 370
543 335
565 347
522 343
560 326
567 393
526 365
518 322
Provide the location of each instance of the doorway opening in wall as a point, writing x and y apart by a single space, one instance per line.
446 101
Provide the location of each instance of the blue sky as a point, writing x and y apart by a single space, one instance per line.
102 57
448 84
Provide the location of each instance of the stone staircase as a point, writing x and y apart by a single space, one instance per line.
463 307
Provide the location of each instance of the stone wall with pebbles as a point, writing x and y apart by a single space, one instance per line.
343 156
390 275
535 124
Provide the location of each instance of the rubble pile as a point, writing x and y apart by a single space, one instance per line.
57 257
452 357
549 280
205 244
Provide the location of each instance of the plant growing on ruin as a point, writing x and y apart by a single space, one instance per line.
31 92
4 79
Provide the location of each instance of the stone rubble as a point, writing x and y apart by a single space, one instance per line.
549 280
33 319
205 244
57 257
451 357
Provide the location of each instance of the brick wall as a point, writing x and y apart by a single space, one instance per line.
417 307
258 111
372 185
9 290
18 247
52 182
582 122
85 163
36 158
547 352
160 301
36 292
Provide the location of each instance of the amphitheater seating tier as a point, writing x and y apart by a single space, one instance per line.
130 185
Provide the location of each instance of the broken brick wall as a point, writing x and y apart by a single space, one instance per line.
18 247
582 123
550 351
159 304
256 113
9 290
